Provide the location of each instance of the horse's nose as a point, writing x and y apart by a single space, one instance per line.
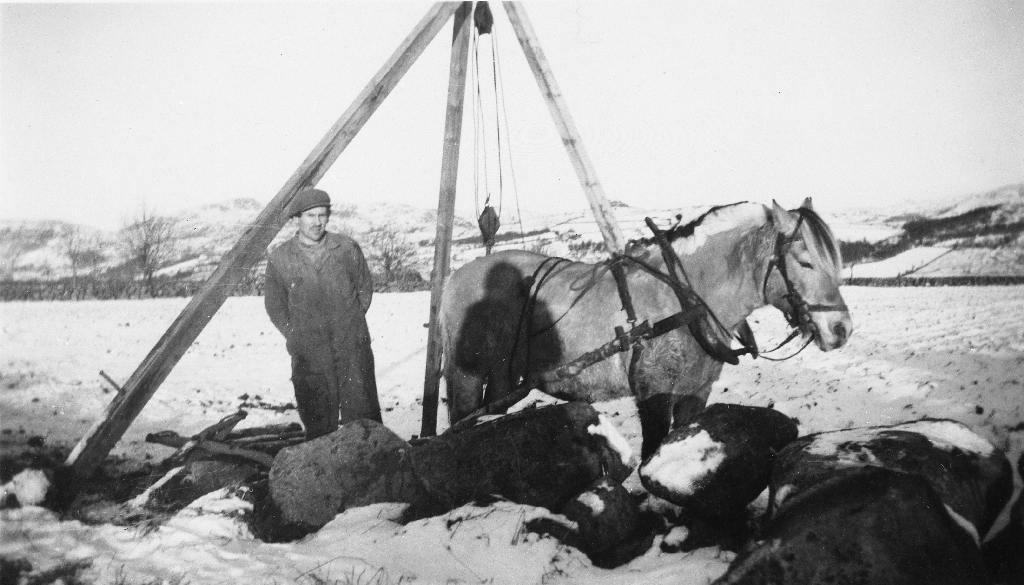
841 331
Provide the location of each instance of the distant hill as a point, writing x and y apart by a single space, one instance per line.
979 234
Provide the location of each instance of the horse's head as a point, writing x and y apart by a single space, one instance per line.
803 278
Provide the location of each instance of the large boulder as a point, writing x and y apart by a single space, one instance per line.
864 526
540 457
361 463
721 461
973 477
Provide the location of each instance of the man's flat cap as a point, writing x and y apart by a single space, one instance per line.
308 198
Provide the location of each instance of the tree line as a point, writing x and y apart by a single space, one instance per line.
150 242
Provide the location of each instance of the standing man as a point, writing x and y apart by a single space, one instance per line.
318 289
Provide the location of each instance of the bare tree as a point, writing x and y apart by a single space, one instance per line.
81 249
72 241
14 244
390 252
148 242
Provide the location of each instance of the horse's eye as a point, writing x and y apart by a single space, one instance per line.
805 263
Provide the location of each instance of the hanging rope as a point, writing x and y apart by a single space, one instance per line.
511 165
488 219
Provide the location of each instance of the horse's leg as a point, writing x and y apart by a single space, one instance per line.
685 408
690 403
465 393
498 383
655 421
663 412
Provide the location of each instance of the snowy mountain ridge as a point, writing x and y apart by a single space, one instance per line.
977 234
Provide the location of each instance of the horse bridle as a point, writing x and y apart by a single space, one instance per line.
799 315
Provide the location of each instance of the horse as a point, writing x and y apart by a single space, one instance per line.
507 317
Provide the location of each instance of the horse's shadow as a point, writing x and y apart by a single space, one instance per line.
507 335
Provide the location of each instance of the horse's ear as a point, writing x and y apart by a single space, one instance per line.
807 204
783 220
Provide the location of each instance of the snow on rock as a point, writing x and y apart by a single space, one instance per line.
30 487
867 525
679 465
721 461
944 434
535 399
972 476
591 501
949 434
607 430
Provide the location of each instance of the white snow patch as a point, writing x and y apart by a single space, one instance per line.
592 501
723 220
899 264
535 399
680 465
617 442
947 434
29 486
943 434
677 536
141 499
831 445
782 493
965 524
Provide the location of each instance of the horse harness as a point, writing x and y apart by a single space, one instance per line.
706 328
704 325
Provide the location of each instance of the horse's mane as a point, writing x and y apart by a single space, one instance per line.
687 230
822 244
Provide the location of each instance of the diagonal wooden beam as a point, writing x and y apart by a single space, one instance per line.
122 411
445 211
599 204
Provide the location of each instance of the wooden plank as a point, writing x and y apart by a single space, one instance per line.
102 437
445 211
215 432
171 439
599 204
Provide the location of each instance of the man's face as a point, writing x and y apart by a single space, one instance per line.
313 224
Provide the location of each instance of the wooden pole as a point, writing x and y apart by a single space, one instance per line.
101 438
445 211
599 204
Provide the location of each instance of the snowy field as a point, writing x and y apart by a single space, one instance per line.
916 352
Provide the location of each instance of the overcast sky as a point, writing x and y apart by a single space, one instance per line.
106 106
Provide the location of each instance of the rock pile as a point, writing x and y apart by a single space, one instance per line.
542 457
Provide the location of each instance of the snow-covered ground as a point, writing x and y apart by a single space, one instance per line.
938 352
899 265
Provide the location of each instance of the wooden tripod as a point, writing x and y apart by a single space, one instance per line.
154 369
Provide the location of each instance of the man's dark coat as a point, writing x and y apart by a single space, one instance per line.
320 307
